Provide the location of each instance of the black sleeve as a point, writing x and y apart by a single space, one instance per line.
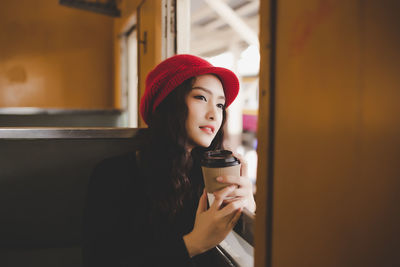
115 230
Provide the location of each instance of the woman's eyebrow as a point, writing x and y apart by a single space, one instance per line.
208 91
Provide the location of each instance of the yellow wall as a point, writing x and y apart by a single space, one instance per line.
54 56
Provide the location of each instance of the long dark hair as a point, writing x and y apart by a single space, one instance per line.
165 159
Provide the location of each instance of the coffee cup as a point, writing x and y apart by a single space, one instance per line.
218 163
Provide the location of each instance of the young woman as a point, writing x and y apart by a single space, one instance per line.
149 208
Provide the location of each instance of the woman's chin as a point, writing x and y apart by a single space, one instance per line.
205 143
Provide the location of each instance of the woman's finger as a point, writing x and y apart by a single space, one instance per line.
202 203
221 195
229 200
240 192
235 218
230 179
233 206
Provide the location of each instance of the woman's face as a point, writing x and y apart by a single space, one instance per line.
205 103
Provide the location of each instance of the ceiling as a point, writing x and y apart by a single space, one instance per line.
218 26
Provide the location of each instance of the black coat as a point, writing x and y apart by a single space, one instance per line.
117 231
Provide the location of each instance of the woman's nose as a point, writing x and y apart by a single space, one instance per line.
211 112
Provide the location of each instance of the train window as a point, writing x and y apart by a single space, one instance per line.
132 80
225 33
128 74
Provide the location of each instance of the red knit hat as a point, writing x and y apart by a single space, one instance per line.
173 71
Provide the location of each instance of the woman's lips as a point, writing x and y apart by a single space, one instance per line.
207 129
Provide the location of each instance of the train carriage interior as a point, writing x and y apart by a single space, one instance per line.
317 120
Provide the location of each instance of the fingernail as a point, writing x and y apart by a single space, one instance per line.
219 178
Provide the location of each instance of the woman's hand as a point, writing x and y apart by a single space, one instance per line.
213 225
244 186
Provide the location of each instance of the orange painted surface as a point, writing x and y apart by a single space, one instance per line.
53 56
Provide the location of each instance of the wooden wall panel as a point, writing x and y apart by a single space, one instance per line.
337 127
261 252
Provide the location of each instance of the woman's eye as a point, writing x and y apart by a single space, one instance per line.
221 106
200 97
